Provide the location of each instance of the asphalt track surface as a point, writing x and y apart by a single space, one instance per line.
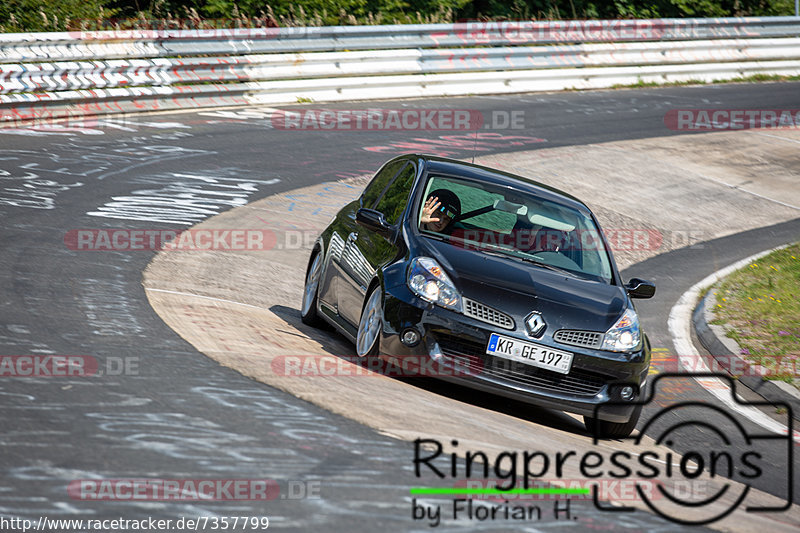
174 414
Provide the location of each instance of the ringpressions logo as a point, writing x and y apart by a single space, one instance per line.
680 443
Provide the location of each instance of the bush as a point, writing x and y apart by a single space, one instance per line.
59 15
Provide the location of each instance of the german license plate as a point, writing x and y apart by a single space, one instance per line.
529 353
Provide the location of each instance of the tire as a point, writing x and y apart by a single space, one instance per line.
369 327
308 310
613 430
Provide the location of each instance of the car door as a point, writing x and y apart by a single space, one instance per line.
350 265
366 250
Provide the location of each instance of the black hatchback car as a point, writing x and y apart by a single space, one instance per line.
507 280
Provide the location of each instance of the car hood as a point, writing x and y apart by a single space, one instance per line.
518 288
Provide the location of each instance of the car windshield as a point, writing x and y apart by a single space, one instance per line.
515 224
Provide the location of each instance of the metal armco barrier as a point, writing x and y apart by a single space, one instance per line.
44 76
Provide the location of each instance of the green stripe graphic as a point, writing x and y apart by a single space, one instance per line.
494 492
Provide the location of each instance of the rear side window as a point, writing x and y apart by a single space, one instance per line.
394 201
380 182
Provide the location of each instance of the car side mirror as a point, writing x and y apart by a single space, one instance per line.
374 220
639 288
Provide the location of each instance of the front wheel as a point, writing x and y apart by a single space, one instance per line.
369 327
612 430
308 312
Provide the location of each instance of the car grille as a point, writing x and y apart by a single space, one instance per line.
484 313
472 356
574 337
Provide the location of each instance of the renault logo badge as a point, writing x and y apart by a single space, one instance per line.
535 324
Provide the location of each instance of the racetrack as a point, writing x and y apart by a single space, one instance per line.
181 415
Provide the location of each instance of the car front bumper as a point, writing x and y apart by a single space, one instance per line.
456 344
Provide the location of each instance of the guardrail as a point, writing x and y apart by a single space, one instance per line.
44 76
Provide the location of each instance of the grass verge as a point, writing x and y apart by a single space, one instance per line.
760 304
641 84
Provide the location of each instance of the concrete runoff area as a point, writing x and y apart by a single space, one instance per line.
241 307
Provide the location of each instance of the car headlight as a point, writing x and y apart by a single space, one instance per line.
427 279
624 335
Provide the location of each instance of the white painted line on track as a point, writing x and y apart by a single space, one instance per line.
616 149
784 204
272 181
776 137
680 324
757 195
223 300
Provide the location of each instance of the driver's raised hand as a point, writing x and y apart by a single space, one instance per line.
429 209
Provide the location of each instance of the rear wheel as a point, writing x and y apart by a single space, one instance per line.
308 312
612 430
369 327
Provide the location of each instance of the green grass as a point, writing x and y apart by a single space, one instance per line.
760 77
761 305
641 84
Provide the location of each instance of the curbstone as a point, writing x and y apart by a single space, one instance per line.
724 350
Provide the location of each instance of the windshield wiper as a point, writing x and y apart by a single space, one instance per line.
548 266
503 252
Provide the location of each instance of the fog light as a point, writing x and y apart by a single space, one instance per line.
410 337
626 393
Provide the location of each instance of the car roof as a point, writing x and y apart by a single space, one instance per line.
454 167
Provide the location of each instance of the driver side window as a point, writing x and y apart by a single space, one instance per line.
394 201
380 182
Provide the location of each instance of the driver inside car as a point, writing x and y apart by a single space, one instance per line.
439 211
